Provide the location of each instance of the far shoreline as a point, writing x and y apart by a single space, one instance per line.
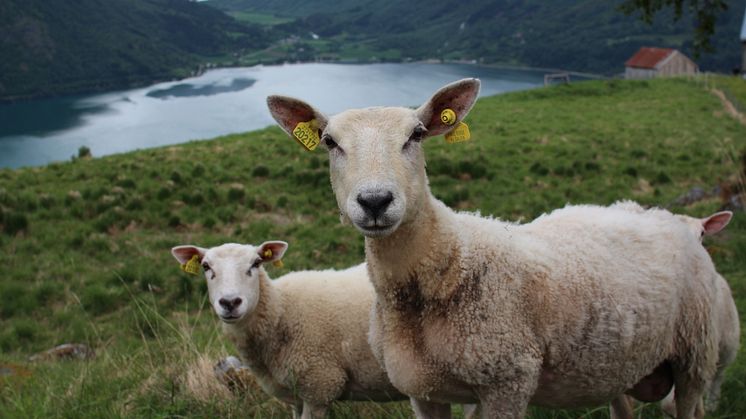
202 69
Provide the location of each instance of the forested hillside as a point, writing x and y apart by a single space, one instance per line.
54 47
581 35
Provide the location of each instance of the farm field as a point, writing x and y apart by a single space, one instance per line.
86 244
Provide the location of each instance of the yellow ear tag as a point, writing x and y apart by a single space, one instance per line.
268 254
448 117
307 134
459 134
191 267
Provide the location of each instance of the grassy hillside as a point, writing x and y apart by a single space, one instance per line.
579 35
86 244
54 47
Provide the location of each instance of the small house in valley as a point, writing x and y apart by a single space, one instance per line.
649 63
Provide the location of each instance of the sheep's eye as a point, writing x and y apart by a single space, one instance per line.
329 142
205 266
254 265
418 133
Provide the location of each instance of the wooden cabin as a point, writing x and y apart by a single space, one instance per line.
650 62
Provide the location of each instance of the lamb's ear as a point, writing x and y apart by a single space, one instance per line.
288 112
185 253
716 222
272 251
458 96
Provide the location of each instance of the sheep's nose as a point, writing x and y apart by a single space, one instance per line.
375 203
230 303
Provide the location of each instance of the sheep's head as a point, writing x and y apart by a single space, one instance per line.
233 273
376 161
707 226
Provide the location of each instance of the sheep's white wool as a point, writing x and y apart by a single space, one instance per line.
727 314
305 337
573 309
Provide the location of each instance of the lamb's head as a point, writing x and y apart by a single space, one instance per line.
233 273
706 226
376 161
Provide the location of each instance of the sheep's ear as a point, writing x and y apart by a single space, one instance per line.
185 253
272 251
458 96
716 222
288 112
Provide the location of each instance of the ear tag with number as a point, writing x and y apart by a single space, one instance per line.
268 254
191 267
459 134
307 134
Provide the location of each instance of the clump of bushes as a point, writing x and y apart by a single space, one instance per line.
631 171
538 169
84 152
260 171
14 223
236 192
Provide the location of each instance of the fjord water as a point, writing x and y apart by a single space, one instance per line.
219 102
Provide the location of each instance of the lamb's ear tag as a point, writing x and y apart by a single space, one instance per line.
459 134
268 254
307 134
191 267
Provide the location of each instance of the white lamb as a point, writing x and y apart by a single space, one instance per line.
573 313
303 335
727 320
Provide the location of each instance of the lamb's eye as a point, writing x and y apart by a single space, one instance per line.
254 265
329 142
205 266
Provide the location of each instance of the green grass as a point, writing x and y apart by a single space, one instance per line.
85 244
734 89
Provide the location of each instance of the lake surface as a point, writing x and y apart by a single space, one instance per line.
220 102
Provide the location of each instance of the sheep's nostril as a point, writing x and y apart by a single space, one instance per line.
230 304
375 203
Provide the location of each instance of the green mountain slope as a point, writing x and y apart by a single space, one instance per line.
580 35
86 244
53 47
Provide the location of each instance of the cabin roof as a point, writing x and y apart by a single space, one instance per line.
649 57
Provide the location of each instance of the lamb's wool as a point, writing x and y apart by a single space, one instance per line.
305 340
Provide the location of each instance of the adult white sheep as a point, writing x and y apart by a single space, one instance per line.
474 309
727 314
303 335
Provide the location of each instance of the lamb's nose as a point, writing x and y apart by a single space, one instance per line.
375 203
229 304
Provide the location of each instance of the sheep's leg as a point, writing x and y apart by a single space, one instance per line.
688 397
622 407
424 409
668 405
509 397
297 410
312 411
507 401
713 391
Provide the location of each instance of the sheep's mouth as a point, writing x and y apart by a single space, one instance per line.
377 230
230 319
